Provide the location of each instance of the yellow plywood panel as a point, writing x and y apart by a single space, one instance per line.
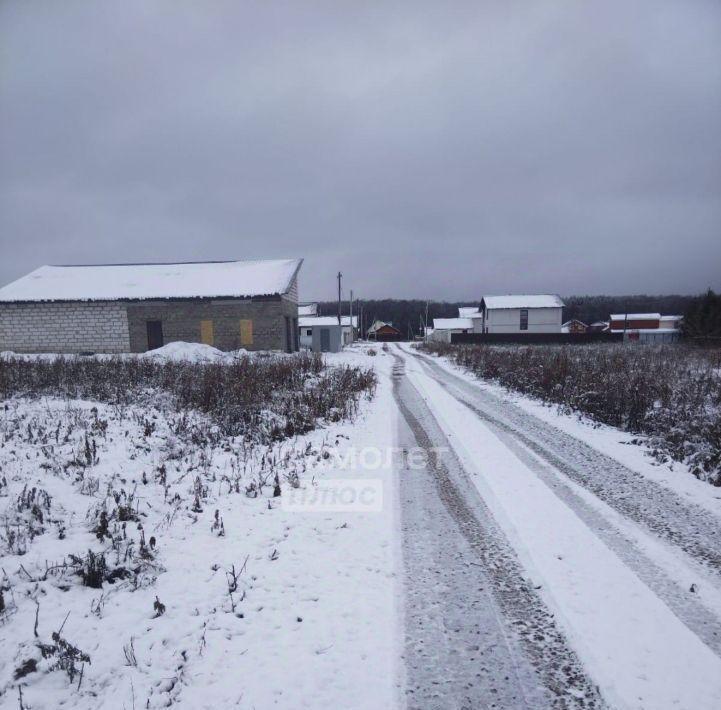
206 332
246 332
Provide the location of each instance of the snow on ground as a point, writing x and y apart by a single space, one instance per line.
640 653
313 617
620 445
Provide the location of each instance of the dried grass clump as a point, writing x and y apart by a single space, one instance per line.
268 398
668 393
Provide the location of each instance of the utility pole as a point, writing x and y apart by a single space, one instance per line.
351 316
339 278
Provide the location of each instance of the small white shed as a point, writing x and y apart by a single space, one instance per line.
443 328
307 325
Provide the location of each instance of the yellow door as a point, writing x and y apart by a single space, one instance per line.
206 332
246 332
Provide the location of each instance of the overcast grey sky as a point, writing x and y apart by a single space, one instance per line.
427 149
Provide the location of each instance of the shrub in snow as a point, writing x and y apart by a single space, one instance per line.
25 519
268 399
93 569
62 655
671 395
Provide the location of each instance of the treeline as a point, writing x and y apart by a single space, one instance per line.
593 308
407 315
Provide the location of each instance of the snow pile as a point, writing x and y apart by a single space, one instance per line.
187 352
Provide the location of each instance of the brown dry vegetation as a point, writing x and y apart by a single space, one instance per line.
670 394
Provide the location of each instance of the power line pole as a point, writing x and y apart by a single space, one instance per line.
351 316
339 312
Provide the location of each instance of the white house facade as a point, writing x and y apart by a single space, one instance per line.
521 314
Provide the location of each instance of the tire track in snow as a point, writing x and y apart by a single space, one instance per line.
684 604
478 634
689 527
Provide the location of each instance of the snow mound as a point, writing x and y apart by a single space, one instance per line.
187 352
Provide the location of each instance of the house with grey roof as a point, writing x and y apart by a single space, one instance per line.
521 314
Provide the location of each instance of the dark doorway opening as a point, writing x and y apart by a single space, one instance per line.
155 334
325 340
288 341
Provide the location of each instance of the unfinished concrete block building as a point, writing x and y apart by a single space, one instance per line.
120 308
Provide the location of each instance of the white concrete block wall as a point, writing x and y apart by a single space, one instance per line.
64 327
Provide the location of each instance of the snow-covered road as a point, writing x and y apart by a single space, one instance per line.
542 572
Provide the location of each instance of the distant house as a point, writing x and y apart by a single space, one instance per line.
574 326
443 328
308 324
634 321
521 314
118 308
307 309
469 311
621 322
382 331
648 327
599 326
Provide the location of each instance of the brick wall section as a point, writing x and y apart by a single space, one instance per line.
181 321
64 327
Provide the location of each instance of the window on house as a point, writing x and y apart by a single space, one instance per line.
524 318
309 331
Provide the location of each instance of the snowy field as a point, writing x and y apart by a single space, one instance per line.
534 559
209 593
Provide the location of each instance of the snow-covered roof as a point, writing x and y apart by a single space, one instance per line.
671 318
636 316
452 324
527 301
310 321
468 311
378 324
307 309
113 282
